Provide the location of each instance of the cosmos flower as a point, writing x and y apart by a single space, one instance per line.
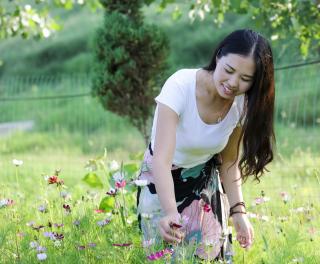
81 247
121 184
118 176
114 165
55 180
17 163
160 254
49 235
41 249
92 245
6 203
76 222
67 208
102 223
285 197
261 200
33 244
65 195
42 256
42 208
99 211
31 223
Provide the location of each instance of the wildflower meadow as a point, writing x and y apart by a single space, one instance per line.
91 218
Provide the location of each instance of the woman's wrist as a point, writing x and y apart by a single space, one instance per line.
238 208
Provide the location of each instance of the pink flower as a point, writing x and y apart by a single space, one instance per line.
285 197
159 254
55 180
261 200
121 184
99 211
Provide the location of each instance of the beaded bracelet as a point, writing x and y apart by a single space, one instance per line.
232 212
237 212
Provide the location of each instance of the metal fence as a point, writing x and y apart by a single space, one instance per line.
55 103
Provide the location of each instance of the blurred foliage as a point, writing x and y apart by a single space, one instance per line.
131 59
34 19
280 17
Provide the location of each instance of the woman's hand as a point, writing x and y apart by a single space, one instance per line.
244 229
168 231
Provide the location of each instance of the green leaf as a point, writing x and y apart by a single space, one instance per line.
131 168
93 180
176 14
122 216
107 204
265 242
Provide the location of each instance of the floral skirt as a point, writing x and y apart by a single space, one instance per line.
200 201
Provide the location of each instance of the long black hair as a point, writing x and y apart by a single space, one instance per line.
257 135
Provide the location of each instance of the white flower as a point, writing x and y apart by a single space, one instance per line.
264 218
46 177
27 7
141 182
297 260
118 176
33 244
42 256
274 37
41 249
57 243
46 32
298 210
114 165
17 162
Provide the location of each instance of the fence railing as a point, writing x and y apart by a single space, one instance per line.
65 102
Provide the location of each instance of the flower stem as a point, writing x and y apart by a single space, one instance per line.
16 236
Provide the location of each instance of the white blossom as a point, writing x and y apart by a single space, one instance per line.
17 162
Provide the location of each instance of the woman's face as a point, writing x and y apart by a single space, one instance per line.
233 75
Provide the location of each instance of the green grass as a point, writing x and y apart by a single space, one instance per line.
276 240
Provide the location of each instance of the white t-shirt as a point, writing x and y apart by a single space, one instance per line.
196 141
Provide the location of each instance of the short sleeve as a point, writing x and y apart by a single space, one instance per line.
172 93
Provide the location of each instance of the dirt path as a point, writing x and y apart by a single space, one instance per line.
9 127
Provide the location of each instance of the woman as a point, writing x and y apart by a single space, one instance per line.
202 113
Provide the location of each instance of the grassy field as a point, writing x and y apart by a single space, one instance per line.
286 226
60 222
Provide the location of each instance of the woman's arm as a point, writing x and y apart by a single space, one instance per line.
231 179
165 142
229 172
